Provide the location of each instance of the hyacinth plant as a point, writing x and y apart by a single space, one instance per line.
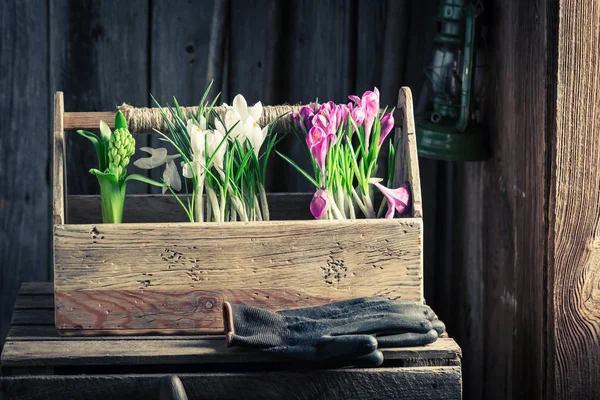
224 159
114 150
344 143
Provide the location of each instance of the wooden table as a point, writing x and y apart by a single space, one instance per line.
37 363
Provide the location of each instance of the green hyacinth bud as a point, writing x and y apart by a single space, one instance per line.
120 148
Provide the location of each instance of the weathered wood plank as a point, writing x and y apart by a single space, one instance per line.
514 218
463 278
32 317
185 45
25 194
173 276
34 288
88 119
99 59
34 302
360 384
308 66
165 208
160 350
574 206
407 163
59 172
32 332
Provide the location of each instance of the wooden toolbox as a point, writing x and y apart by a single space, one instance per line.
157 274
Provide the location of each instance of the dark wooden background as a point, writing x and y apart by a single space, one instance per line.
491 271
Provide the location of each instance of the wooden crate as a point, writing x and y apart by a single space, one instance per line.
157 274
36 363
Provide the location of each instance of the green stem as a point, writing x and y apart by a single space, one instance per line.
264 203
359 202
222 203
381 208
233 213
369 205
257 209
214 203
199 206
112 197
335 210
340 202
350 207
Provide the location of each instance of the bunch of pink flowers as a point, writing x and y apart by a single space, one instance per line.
345 142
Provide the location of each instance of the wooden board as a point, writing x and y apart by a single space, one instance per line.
180 350
573 299
175 276
364 384
25 113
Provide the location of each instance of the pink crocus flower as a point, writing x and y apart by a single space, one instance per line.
370 103
327 118
397 199
318 142
319 203
386 126
358 115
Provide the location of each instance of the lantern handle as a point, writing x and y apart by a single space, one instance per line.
467 72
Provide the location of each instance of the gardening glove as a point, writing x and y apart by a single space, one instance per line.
345 332
415 312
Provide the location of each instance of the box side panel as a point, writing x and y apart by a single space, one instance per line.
407 162
176 276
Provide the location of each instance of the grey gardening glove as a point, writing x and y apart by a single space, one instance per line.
345 332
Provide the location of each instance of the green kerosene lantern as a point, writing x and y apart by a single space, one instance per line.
447 130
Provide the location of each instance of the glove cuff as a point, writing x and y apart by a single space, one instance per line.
228 322
253 327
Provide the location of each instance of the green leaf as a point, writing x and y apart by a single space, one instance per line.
303 172
89 135
104 175
120 121
100 148
145 179
105 132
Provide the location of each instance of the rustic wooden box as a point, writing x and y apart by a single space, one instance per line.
153 275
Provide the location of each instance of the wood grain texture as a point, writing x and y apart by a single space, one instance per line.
574 210
25 157
99 59
165 208
360 384
59 176
179 46
309 66
514 195
149 350
407 164
171 271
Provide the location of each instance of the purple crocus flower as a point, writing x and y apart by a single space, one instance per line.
307 113
319 203
318 142
386 126
397 199
370 103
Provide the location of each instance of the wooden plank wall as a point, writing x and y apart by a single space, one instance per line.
511 245
25 157
495 272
